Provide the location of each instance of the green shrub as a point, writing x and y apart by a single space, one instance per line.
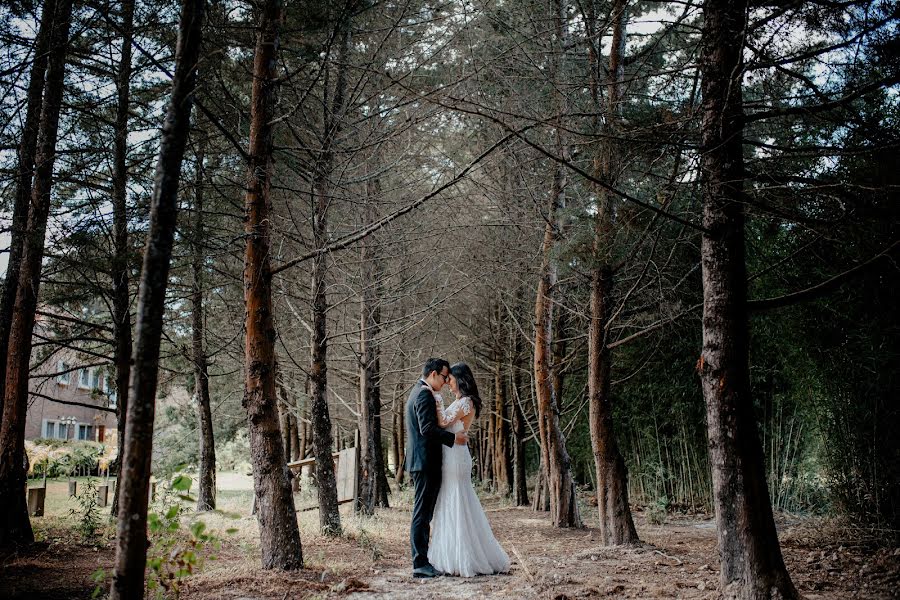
63 457
175 554
87 514
658 511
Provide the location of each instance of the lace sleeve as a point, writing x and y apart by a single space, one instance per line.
459 409
442 419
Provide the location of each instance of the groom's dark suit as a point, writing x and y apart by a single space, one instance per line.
423 461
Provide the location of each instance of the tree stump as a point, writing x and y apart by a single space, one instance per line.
36 497
73 488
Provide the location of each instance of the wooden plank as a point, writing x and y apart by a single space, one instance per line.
316 506
36 498
102 495
299 464
346 475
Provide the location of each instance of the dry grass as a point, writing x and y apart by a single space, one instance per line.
827 559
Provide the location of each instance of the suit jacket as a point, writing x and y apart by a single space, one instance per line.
423 435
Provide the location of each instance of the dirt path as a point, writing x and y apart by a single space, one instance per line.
677 560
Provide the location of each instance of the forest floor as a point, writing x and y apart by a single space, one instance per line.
826 558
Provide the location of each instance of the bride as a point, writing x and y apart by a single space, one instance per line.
461 541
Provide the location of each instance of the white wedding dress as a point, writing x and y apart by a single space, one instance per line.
462 542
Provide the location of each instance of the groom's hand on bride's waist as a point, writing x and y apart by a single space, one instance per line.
461 438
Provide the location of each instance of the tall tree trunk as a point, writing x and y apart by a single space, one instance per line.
520 482
616 523
503 472
323 440
487 449
24 176
131 533
559 482
15 527
752 566
119 268
329 516
303 426
395 439
284 411
382 487
541 487
288 421
372 477
296 413
563 506
278 532
541 495
206 497
295 437
286 417
400 432
558 351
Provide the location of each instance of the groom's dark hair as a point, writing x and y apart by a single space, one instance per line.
434 364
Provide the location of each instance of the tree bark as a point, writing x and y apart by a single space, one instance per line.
119 268
541 487
400 433
15 526
616 523
289 435
284 412
206 496
752 566
520 483
373 481
560 484
329 517
382 487
558 351
395 440
541 496
487 449
303 426
295 438
367 476
131 534
503 472
556 476
24 177
279 536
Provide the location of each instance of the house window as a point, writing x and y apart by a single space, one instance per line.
84 378
96 380
62 431
85 432
49 429
113 397
64 377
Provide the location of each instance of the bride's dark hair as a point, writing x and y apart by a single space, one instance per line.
465 381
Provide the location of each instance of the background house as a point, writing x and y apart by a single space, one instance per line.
69 402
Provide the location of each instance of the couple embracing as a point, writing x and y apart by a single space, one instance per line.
438 460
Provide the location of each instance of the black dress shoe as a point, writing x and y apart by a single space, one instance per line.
426 571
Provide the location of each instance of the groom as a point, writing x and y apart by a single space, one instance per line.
424 456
